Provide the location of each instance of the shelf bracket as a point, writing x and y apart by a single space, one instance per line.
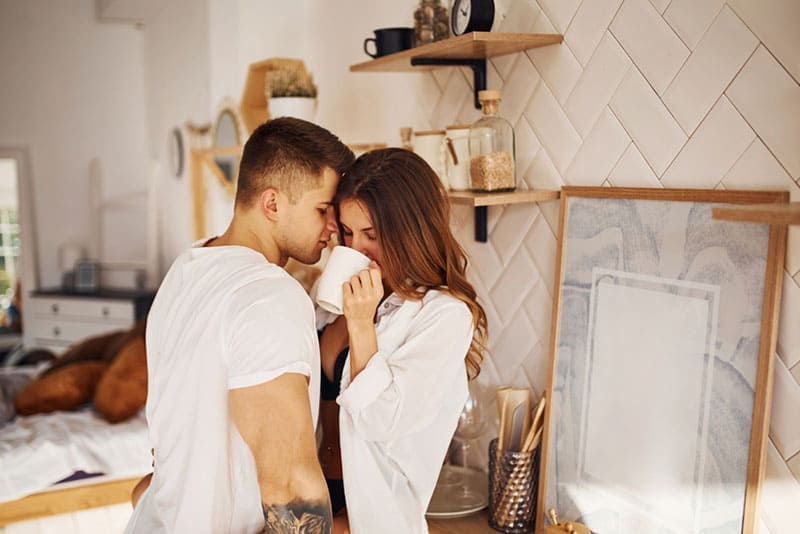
478 67
481 220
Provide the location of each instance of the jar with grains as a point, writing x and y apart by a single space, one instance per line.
431 22
491 148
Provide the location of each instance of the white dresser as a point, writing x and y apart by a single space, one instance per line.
57 319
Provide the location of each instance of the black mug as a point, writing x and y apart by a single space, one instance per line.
390 40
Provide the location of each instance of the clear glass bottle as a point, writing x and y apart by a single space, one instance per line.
431 22
491 148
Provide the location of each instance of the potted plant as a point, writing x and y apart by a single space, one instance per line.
291 92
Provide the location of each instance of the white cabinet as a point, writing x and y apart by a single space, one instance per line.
59 319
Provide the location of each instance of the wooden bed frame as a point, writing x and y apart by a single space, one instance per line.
62 501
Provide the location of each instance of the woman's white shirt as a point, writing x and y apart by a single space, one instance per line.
399 414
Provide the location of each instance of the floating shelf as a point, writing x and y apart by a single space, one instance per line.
473 45
469 50
481 201
788 214
496 199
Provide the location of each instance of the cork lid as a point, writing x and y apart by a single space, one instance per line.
430 132
488 94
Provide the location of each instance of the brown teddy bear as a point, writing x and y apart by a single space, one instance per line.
110 370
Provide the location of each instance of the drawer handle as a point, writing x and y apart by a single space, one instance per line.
54 307
105 311
56 331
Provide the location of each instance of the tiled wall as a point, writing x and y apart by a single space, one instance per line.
681 93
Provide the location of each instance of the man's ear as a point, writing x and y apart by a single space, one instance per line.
268 202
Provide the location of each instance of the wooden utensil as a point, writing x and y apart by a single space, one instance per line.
535 426
519 411
502 401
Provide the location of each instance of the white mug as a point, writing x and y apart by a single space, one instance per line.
343 263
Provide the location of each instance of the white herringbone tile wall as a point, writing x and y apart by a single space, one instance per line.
650 93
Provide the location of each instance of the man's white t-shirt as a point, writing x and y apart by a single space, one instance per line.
223 318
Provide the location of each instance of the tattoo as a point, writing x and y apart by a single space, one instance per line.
298 517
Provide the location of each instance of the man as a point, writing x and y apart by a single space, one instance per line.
232 353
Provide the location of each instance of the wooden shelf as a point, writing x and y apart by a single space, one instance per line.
482 201
497 199
469 50
788 214
474 45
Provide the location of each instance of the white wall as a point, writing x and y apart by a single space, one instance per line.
362 107
177 80
72 90
197 56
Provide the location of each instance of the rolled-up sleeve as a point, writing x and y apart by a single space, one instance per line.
393 395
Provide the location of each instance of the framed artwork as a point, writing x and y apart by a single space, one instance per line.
662 341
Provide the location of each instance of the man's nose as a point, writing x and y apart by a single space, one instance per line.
331 225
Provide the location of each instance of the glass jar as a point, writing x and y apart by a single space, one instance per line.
431 22
491 148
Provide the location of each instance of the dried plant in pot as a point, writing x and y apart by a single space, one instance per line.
291 92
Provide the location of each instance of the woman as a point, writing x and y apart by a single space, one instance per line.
415 334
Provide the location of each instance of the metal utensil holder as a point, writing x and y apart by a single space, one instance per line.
513 481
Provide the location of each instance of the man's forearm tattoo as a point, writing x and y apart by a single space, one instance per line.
298 517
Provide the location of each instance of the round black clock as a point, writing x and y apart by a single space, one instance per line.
472 16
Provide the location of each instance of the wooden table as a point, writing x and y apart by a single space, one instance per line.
477 523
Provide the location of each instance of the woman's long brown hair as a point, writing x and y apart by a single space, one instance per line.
410 213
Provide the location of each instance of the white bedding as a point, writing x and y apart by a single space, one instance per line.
39 450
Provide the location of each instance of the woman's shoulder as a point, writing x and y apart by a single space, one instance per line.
441 297
439 301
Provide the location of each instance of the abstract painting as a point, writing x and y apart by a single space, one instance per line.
662 339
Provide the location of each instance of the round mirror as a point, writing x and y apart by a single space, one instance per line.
227 134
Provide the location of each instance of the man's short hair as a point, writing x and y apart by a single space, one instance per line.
288 154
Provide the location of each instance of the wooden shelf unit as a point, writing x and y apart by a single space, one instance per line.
787 214
482 201
471 50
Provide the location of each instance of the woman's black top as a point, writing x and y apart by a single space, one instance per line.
329 390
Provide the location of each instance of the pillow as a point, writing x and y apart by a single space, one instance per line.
10 385
62 389
122 390
102 347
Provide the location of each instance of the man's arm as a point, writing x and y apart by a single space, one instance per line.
274 418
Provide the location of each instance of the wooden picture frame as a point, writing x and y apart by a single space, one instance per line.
662 340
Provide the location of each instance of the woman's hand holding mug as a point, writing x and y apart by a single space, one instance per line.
362 294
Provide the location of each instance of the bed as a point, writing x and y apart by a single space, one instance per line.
67 461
